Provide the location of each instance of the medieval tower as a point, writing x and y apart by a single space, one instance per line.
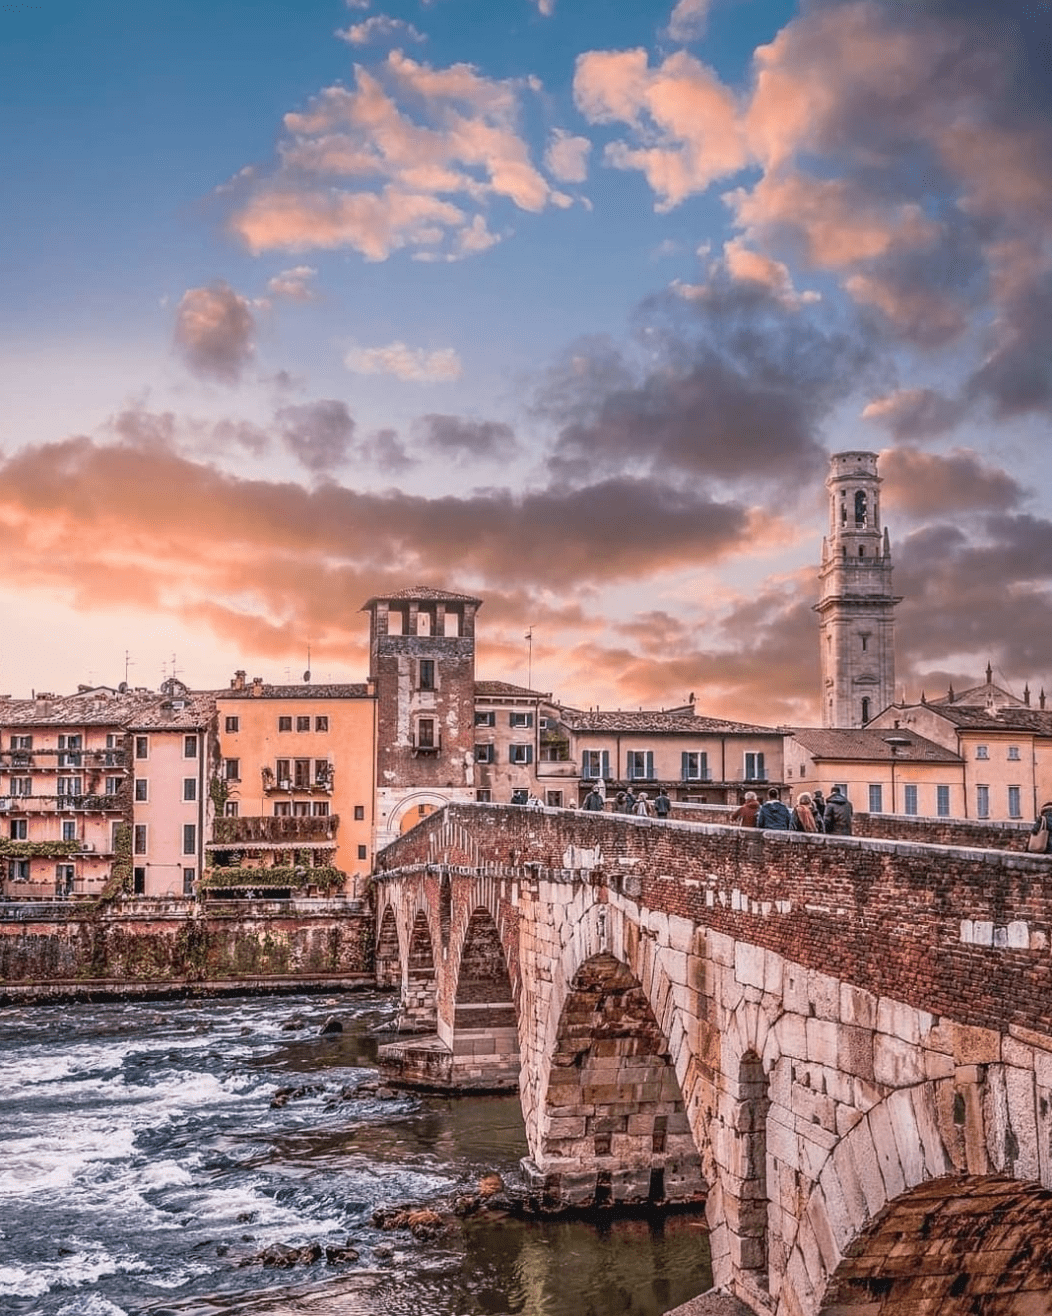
857 606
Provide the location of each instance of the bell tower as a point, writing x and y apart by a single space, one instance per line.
856 606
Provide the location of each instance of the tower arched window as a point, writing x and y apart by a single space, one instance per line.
861 507
861 550
865 710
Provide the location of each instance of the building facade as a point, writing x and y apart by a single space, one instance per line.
856 606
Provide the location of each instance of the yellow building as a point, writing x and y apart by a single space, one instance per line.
294 789
891 770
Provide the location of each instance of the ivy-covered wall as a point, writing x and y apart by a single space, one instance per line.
183 948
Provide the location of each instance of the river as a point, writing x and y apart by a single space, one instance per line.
142 1165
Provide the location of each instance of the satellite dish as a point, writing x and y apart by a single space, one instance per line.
306 675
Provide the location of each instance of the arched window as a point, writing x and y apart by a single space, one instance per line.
861 507
865 710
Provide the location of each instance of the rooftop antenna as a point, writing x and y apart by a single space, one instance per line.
528 637
127 663
306 674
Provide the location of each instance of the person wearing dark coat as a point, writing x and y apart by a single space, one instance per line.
593 801
630 801
662 804
774 816
819 807
804 818
838 815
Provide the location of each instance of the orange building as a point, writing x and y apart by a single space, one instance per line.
294 787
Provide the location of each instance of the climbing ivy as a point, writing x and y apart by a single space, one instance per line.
282 876
120 879
219 792
38 849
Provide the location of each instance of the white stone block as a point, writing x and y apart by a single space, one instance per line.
822 1041
886 1150
749 964
896 1063
1019 935
907 1137
1022 1116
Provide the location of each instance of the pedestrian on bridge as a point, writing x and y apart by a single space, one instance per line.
1038 840
642 805
774 816
747 812
838 814
662 804
594 802
803 817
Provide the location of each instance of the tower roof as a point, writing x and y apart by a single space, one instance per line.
422 594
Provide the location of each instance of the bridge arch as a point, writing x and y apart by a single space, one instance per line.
414 809
614 1126
419 994
388 951
485 1020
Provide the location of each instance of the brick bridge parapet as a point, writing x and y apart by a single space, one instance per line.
826 1037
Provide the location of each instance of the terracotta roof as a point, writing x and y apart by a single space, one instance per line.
135 710
425 594
1037 720
683 724
505 689
357 690
980 696
849 743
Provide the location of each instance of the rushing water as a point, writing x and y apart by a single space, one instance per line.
142 1164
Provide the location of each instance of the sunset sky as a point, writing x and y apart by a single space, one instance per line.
560 302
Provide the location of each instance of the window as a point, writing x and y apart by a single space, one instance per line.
425 733
487 718
555 751
139 881
942 801
70 786
189 747
521 719
64 877
303 724
21 742
876 798
230 809
233 724
142 789
142 747
865 642
301 774
72 746
283 809
982 801
284 774
485 754
320 809
842 788
359 813
595 763
18 870
1014 802
189 789
982 752
910 798
189 838
19 829
69 829
232 769
639 764
321 723
363 852
21 785
861 507
321 772
284 723
865 710
695 766
754 768
113 785
553 799
426 674
520 754
140 838
1013 753
300 809
483 795
189 877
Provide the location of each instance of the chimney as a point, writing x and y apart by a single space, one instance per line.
1041 698
1026 694
257 687
238 681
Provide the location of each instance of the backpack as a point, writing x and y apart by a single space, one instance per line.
1037 842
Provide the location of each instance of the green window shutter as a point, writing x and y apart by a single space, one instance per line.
650 765
606 763
529 753
684 765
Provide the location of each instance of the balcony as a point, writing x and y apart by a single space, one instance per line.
274 785
423 748
243 832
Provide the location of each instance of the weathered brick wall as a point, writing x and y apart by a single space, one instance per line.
952 931
221 945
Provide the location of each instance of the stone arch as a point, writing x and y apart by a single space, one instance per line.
408 811
958 1245
388 952
419 1011
945 1130
613 1128
485 1021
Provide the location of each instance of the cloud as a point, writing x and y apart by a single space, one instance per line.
386 451
319 434
379 27
214 331
295 284
465 440
411 156
686 121
689 19
927 485
567 156
916 413
414 364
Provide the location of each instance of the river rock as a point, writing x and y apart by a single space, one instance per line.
283 1096
331 1025
337 1255
490 1185
290 1025
284 1258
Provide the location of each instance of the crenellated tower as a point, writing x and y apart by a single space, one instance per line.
857 606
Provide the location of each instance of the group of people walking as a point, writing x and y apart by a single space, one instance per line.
810 813
628 802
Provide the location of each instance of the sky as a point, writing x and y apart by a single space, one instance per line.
557 302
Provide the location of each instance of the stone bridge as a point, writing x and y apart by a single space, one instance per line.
844 1045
